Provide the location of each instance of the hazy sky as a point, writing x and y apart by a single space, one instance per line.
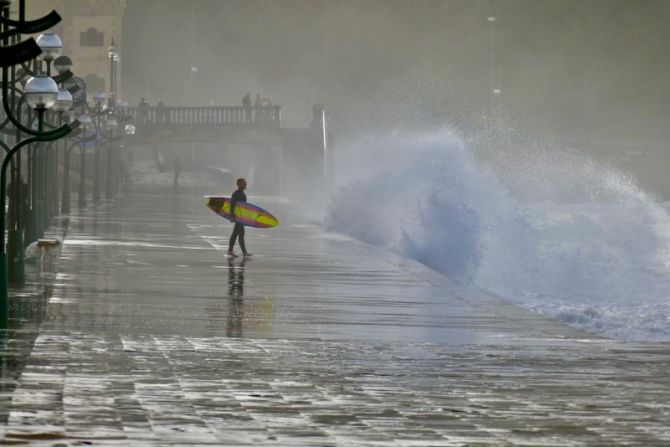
573 68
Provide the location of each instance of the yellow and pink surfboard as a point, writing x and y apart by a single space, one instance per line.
245 213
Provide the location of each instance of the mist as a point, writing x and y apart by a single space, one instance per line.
588 75
523 155
335 222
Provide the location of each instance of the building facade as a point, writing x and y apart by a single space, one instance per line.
87 30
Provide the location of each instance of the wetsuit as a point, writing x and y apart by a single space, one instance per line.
238 230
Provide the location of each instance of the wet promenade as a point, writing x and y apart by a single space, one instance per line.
147 335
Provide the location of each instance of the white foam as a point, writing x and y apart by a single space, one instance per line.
562 235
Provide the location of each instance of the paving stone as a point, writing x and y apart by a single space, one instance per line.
328 343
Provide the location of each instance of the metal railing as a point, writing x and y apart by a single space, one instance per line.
269 116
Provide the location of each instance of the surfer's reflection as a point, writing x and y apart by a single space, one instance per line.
235 293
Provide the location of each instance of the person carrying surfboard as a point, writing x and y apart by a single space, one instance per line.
238 229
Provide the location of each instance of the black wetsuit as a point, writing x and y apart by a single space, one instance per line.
238 230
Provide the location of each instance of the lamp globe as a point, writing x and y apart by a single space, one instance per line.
41 92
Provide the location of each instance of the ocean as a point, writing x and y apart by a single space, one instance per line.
559 234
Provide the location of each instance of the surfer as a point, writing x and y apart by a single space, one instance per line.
238 230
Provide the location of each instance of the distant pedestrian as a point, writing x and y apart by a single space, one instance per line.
238 230
267 110
142 112
246 103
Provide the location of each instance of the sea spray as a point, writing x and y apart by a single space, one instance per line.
561 235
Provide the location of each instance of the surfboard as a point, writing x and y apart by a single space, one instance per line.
245 213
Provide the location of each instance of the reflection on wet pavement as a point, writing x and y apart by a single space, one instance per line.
236 298
149 335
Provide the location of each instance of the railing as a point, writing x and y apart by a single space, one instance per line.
269 116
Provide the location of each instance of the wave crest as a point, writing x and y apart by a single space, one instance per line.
561 235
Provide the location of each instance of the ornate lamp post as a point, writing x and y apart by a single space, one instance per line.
87 124
99 98
61 107
113 56
51 46
14 51
81 144
62 64
111 126
41 93
65 197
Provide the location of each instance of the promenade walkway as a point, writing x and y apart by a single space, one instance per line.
148 336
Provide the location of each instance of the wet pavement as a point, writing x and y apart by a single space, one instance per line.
146 334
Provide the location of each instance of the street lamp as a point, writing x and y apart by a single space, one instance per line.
62 64
111 54
116 59
51 47
63 101
98 99
111 124
79 141
41 93
63 104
